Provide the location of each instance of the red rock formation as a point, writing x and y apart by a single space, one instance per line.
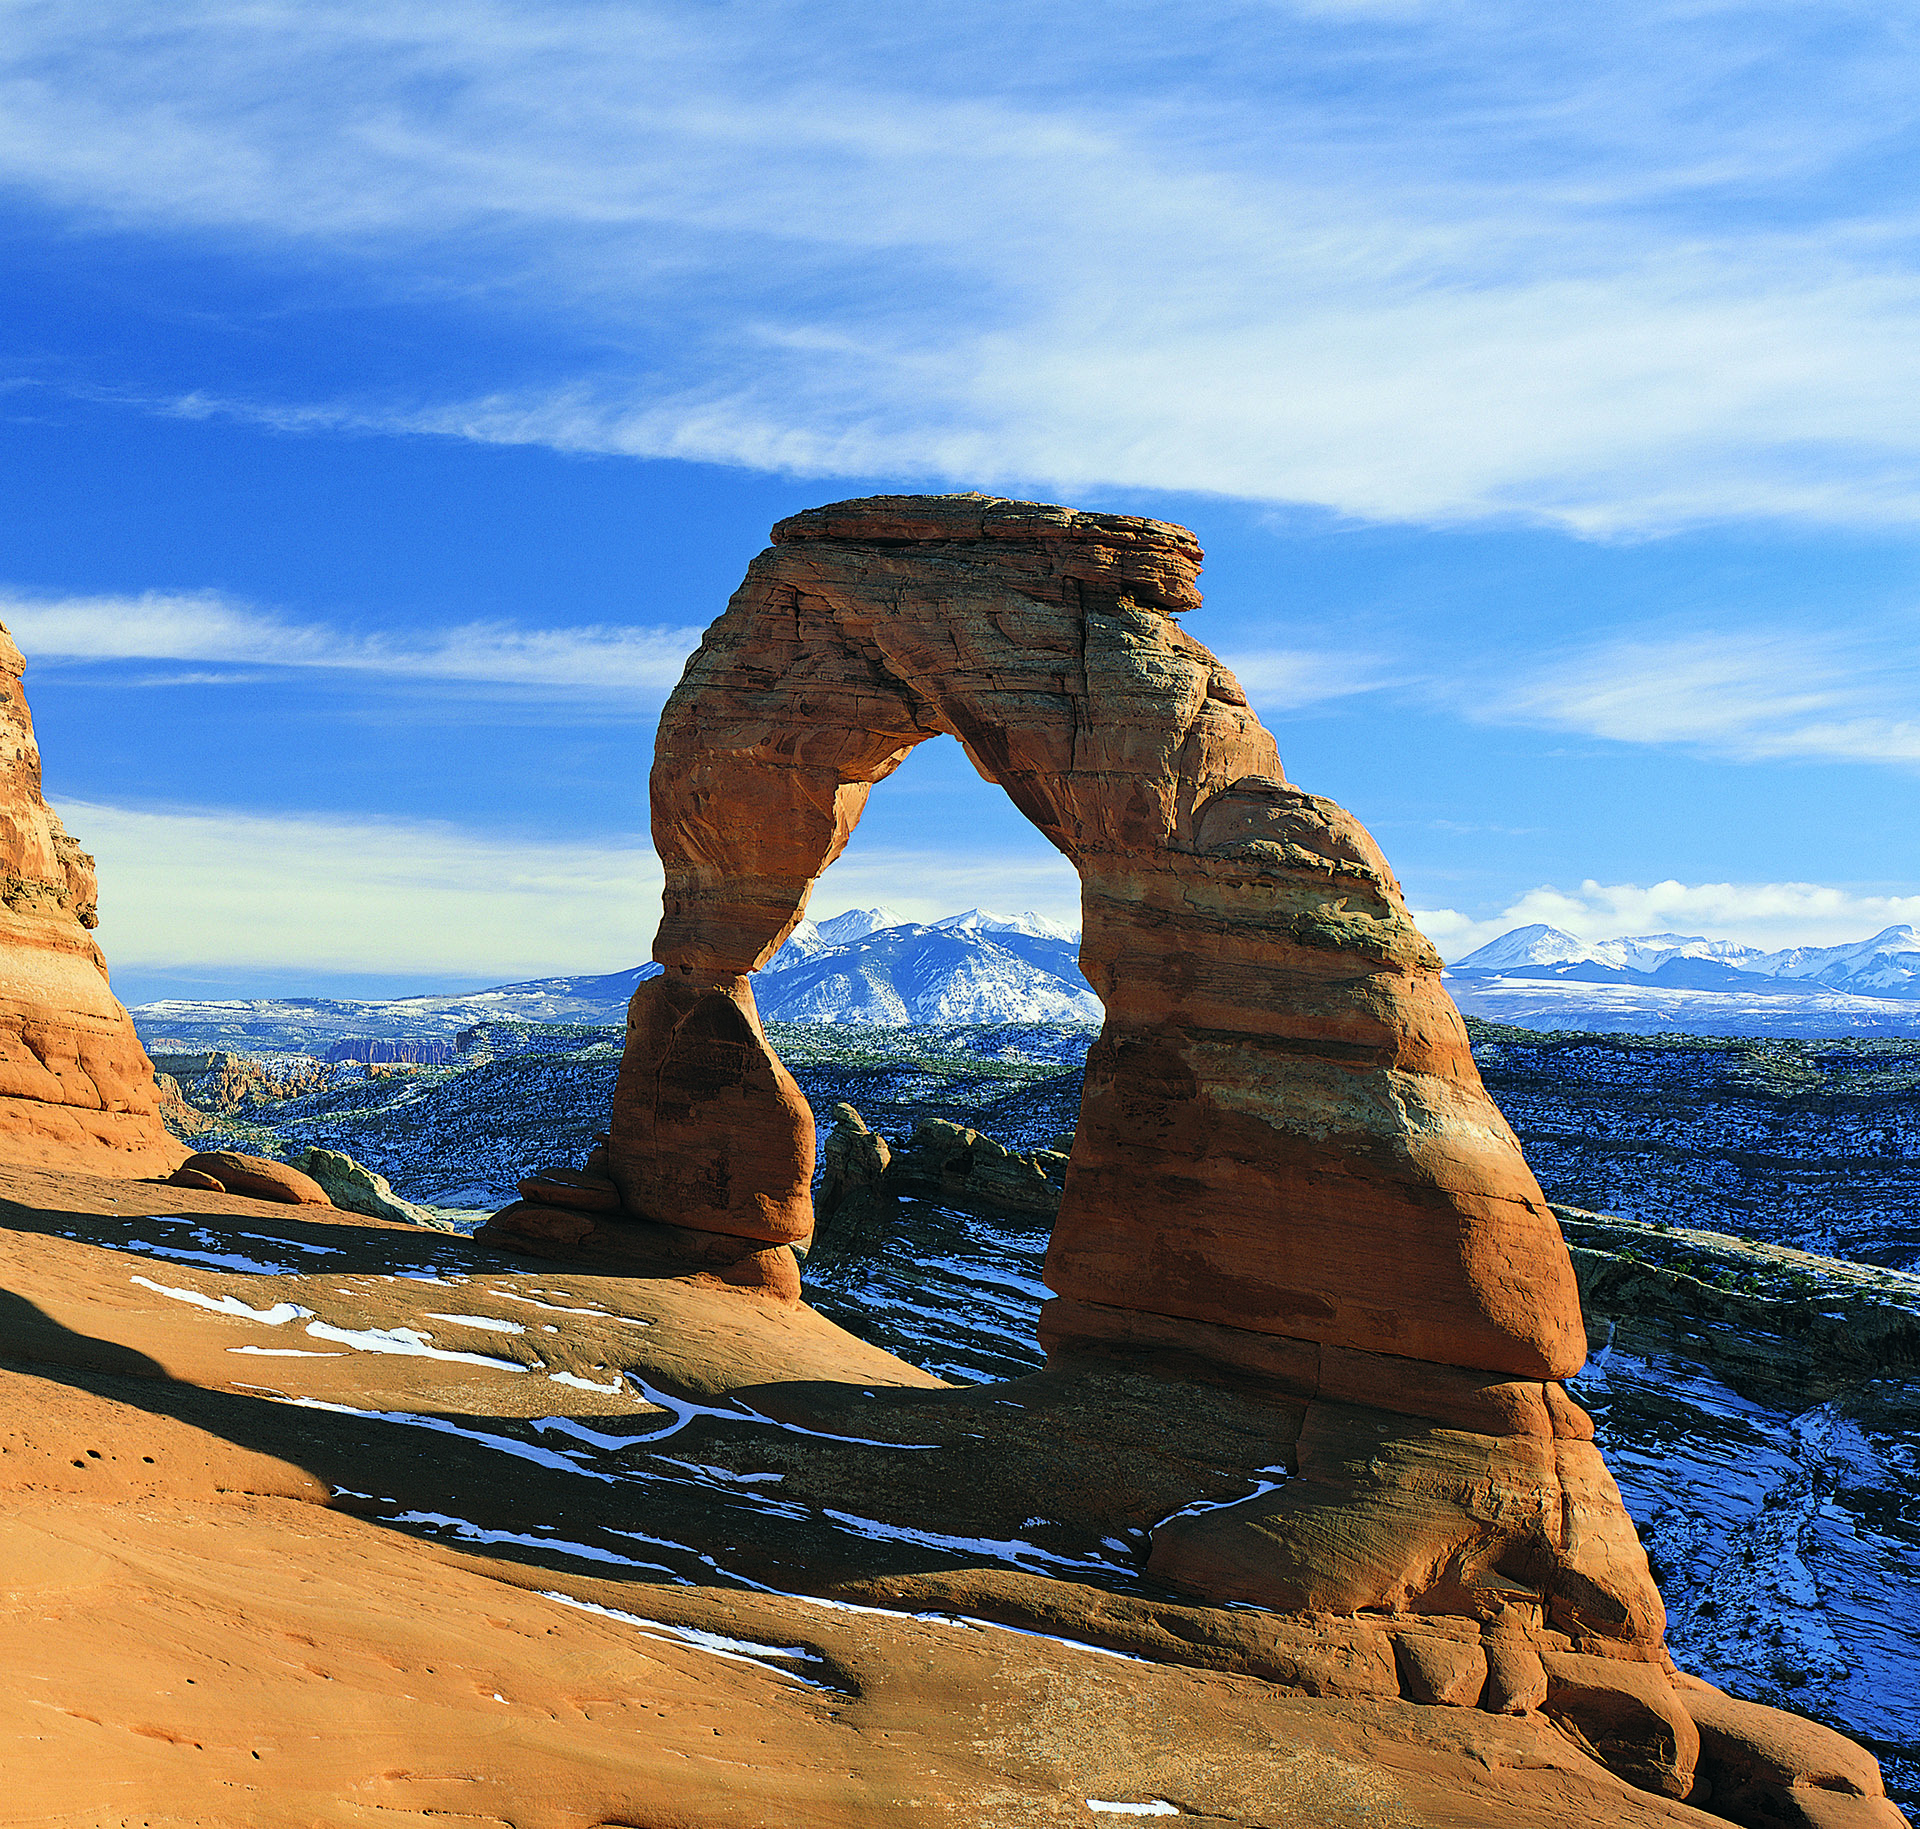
76 1088
1287 1172
1285 1157
258 1176
1283 1131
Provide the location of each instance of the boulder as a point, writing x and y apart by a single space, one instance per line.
948 1162
565 1187
1440 1669
1628 1715
259 1177
76 1088
543 1231
196 1178
355 1188
1516 1678
855 1203
1772 1770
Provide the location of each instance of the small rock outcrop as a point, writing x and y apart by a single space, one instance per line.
76 1088
864 1178
950 1162
855 1202
229 1171
355 1188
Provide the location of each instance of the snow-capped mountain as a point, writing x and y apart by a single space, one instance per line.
1888 965
1541 977
810 939
954 971
985 921
864 966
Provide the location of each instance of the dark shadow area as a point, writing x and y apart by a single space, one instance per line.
794 1486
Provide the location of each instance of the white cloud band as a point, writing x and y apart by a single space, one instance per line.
205 626
1616 270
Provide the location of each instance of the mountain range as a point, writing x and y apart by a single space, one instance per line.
867 966
870 967
1540 977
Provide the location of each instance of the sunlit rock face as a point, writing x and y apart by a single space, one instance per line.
76 1088
1284 1131
1285 1164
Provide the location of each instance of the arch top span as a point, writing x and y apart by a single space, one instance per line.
1283 1131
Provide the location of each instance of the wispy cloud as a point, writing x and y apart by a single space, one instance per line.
208 627
338 895
1616 271
1768 915
1290 679
1754 695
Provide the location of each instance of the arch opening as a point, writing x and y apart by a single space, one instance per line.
1282 1127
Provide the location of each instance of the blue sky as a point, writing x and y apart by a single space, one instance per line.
389 396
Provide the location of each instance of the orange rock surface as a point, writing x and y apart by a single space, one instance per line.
233 1172
1285 1159
376 1525
76 1088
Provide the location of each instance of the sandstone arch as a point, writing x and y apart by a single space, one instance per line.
1287 1175
1283 1132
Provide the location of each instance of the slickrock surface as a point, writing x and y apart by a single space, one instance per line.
76 1088
313 1519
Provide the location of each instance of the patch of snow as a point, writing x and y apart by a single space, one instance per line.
284 1352
685 1411
276 1316
473 1533
437 1425
409 1342
209 1260
718 1644
1261 1487
487 1321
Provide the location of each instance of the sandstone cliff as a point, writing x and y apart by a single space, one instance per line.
76 1089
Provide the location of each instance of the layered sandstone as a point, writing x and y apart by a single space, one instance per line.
1281 1075
1287 1181
76 1088
1285 1158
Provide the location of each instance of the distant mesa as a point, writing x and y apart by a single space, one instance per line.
374 1051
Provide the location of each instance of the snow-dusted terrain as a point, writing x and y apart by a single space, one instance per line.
1539 977
1774 1488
